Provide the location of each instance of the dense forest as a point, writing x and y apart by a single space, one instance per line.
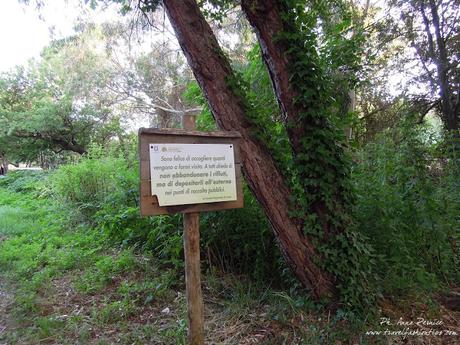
349 115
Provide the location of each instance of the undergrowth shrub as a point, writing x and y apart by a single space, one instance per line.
160 235
24 181
93 182
408 205
103 189
241 241
105 192
9 220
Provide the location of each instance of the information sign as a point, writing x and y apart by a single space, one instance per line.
192 173
186 171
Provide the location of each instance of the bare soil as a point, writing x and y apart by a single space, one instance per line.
6 320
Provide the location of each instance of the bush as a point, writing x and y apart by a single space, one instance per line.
241 241
408 207
161 235
94 182
105 191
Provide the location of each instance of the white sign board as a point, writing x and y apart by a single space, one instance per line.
192 173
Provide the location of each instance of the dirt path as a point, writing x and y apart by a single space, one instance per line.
5 318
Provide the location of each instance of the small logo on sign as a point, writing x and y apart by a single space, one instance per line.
164 149
155 148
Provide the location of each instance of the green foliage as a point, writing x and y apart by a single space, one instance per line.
24 181
322 164
408 207
8 220
94 182
160 235
44 250
40 244
37 248
254 84
241 241
104 191
55 106
205 121
105 269
407 200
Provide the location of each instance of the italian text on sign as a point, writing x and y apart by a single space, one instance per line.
192 173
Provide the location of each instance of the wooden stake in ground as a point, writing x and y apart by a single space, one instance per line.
192 265
167 144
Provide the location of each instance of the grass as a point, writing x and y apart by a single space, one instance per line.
72 286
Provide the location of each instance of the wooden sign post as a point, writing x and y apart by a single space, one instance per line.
186 171
195 307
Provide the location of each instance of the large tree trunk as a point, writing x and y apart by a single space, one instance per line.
442 65
266 19
213 73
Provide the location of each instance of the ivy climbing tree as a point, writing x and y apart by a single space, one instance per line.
308 200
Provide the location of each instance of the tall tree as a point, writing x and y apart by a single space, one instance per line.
86 87
45 107
307 205
214 73
432 29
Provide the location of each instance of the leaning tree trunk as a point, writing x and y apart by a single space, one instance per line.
266 17
213 73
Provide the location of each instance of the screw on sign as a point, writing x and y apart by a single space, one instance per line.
186 171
